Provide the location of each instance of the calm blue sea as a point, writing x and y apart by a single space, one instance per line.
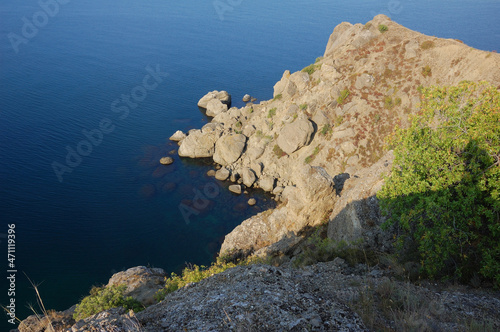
69 72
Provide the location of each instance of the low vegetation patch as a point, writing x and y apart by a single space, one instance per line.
278 152
343 96
326 130
426 71
313 67
443 193
278 97
271 112
303 107
427 45
382 28
197 273
389 103
310 158
104 298
319 249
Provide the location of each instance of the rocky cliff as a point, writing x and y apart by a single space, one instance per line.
318 147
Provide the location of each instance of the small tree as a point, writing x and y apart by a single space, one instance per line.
443 192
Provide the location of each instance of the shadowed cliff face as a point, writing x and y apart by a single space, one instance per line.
330 119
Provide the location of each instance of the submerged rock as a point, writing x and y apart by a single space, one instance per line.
166 160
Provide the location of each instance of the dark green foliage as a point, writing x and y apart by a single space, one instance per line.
443 193
104 298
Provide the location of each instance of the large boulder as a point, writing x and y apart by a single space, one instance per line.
198 144
229 148
215 107
248 177
285 87
142 283
222 174
266 183
295 135
223 96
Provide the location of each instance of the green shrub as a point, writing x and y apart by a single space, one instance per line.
389 103
278 97
303 107
272 112
104 298
343 96
197 273
382 28
311 68
443 192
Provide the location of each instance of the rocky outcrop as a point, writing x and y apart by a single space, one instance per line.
215 107
253 298
320 297
305 203
198 144
222 96
335 116
142 283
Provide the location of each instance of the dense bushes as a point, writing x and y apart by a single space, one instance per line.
104 298
443 193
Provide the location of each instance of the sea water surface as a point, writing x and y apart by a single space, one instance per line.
116 207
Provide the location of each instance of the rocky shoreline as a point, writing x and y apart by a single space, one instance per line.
318 147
